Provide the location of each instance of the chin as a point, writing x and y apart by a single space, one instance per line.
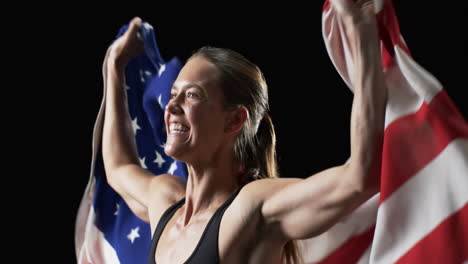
174 152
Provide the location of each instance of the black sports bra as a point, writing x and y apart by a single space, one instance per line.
206 251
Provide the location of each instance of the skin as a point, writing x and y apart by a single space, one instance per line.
266 213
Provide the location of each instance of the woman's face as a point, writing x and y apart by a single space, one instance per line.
195 117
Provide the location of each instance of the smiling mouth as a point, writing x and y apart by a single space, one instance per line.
177 128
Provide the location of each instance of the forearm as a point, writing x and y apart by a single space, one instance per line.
118 141
368 111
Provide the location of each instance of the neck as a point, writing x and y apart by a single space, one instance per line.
208 187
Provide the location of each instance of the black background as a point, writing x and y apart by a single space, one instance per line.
310 104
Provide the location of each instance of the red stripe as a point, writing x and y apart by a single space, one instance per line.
351 250
389 32
412 141
447 243
390 22
325 5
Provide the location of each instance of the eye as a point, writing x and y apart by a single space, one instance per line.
173 95
193 95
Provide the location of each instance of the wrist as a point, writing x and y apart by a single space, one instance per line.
115 66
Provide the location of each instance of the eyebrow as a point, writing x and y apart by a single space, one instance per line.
190 85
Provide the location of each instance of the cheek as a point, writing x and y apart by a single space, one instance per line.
166 118
198 111
209 119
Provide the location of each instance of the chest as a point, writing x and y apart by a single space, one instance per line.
178 243
228 238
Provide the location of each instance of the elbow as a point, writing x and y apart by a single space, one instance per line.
114 158
365 177
114 176
111 167
366 163
110 164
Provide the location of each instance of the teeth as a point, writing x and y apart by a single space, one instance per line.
178 128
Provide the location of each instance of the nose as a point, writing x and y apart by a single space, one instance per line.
174 107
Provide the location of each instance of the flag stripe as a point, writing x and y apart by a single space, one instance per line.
95 249
366 255
402 100
339 236
410 86
389 32
352 250
420 80
338 50
434 248
425 153
440 104
422 203
426 132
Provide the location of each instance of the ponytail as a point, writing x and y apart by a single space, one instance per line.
266 148
261 154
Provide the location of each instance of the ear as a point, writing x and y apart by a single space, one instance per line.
235 120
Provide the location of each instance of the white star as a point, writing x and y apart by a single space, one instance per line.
159 159
160 100
147 25
134 234
142 162
117 208
148 73
142 76
127 87
135 126
162 68
172 168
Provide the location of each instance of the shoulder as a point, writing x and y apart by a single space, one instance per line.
168 186
165 190
260 190
244 222
251 198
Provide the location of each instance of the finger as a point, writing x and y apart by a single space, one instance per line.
342 6
134 26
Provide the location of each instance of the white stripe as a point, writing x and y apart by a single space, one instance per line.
418 206
402 99
336 44
423 82
83 218
364 259
409 85
95 248
319 247
378 5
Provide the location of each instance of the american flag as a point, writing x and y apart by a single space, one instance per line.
106 230
421 213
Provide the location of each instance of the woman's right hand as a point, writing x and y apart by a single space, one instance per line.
126 47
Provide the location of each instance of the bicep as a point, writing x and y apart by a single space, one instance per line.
142 190
133 184
307 207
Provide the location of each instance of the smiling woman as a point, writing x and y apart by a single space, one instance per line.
233 208
196 106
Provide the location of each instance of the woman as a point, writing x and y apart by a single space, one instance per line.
233 208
